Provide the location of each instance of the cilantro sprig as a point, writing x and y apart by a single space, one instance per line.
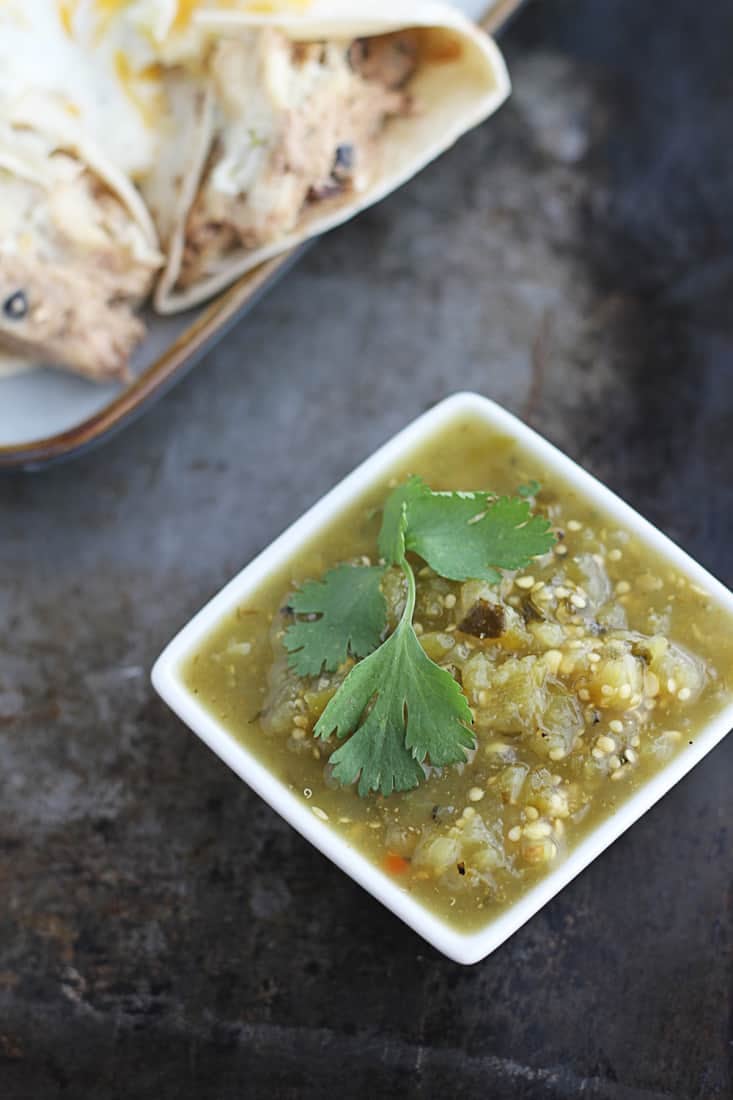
397 710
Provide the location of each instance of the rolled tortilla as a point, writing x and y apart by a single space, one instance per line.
233 207
78 248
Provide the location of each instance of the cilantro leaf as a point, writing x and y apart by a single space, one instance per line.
418 713
471 536
531 489
352 616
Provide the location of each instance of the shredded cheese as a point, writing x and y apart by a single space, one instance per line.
149 107
67 12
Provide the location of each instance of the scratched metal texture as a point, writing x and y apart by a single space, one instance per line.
162 933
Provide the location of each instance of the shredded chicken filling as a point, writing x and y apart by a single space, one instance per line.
298 124
73 265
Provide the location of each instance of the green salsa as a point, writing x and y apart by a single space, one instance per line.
585 672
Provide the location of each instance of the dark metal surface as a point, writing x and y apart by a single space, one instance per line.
162 934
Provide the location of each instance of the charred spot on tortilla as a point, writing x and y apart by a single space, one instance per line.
446 51
390 59
15 307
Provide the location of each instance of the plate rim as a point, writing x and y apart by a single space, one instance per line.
168 368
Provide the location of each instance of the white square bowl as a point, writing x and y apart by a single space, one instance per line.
463 947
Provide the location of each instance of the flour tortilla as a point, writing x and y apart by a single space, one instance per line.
43 114
460 81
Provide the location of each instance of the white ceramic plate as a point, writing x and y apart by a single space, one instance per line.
167 680
48 415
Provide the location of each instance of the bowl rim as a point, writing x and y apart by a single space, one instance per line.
462 947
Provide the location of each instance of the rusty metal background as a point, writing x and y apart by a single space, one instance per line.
162 934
